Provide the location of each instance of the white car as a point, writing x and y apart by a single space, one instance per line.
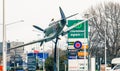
116 68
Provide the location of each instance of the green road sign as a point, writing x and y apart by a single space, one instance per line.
81 31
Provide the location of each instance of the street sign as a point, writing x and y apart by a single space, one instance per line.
77 44
81 31
72 57
80 57
70 43
72 40
84 47
82 53
31 63
77 65
72 52
40 55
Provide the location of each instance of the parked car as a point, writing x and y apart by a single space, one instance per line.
116 68
115 64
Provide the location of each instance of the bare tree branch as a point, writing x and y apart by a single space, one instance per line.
107 15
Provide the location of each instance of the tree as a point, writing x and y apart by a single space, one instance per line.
105 15
49 63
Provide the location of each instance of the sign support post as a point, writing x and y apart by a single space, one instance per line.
84 47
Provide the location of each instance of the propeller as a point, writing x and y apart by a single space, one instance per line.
37 27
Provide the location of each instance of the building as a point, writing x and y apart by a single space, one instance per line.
19 51
8 46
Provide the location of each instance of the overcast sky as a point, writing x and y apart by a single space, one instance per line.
39 12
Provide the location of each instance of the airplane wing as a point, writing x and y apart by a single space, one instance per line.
40 40
64 18
70 28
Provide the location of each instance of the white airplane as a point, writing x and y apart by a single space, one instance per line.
54 30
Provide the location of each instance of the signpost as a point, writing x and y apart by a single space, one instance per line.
31 62
78 40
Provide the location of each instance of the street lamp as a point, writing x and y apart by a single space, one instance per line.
4 41
13 22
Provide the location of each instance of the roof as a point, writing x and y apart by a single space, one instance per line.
115 61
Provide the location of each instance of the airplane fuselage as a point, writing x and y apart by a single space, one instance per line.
55 28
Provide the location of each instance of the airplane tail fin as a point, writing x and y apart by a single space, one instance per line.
37 27
63 18
63 15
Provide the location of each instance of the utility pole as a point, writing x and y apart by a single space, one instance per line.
4 46
4 39
105 50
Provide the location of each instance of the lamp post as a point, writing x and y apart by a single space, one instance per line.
4 40
4 37
105 50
